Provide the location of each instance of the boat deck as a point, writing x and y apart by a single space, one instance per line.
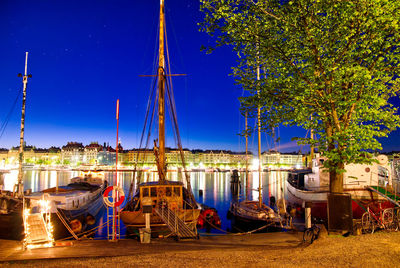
12 250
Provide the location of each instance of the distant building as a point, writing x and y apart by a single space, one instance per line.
72 153
141 156
174 157
220 158
3 157
273 158
33 155
108 155
90 153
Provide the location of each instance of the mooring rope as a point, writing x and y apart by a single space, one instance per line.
66 225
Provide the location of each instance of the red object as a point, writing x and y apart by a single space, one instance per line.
64 244
120 199
208 216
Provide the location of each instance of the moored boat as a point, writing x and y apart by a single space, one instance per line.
312 186
252 213
11 203
170 204
74 207
172 193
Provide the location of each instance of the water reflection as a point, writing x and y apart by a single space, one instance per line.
215 185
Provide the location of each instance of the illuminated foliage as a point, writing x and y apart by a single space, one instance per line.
326 65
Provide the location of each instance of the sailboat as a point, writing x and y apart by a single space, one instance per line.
254 212
74 207
173 206
11 202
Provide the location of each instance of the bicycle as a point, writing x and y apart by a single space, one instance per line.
383 218
311 234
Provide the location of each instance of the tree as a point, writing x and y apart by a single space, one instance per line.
326 65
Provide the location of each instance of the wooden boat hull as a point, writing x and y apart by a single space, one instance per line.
136 219
319 200
247 216
11 224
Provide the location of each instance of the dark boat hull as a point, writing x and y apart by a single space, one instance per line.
91 209
319 206
11 226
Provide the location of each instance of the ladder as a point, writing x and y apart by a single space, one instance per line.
36 231
113 234
386 194
174 223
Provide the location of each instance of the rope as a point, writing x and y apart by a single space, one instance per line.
7 119
149 123
66 225
87 231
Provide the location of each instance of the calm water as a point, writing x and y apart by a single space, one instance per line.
214 185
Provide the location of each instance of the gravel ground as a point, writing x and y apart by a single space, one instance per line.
372 250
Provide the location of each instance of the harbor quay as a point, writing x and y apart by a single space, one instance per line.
254 250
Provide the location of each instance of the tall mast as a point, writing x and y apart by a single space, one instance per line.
312 149
247 159
259 128
259 139
20 185
161 94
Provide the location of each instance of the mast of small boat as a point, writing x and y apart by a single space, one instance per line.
20 185
247 160
259 135
311 148
161 95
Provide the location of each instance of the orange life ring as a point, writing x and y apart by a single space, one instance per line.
113 189
90 220
76 225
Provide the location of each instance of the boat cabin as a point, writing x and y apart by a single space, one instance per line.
171 194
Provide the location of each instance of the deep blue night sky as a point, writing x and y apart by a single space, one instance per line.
83 55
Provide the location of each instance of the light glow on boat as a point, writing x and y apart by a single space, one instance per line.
44 210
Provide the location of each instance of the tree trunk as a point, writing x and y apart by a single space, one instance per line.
336 180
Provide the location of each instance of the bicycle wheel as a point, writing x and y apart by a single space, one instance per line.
396 215
388 220
308 235
367 224
316 231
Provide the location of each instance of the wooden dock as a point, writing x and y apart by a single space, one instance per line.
12 250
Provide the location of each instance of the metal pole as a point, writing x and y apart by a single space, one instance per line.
116 197
247 160
310 165
20 185
259 132
161 95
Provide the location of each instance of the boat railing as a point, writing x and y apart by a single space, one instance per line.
193 221
174 222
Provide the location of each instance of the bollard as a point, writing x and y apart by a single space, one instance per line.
147 208
307 214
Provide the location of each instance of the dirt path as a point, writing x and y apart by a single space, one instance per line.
376 250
